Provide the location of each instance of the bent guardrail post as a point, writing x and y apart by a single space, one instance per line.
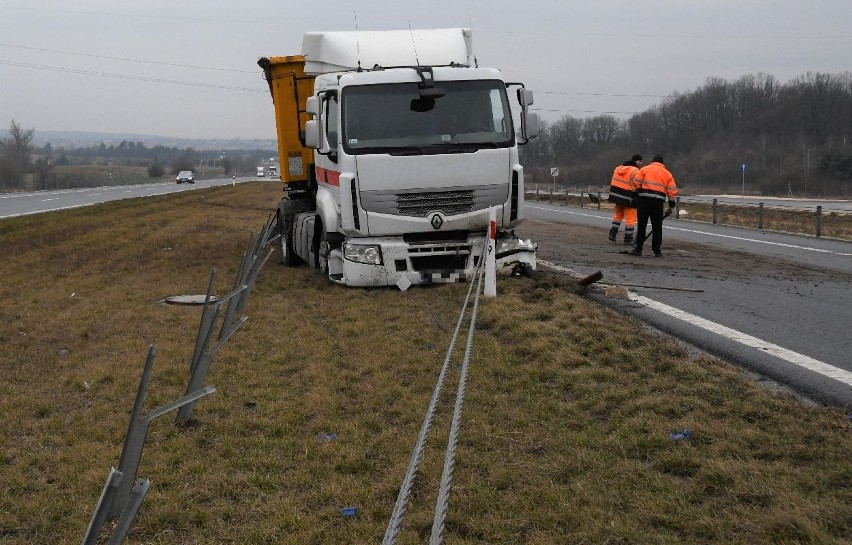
131 452
250 281
126 501
760 215
122 494
102 507
208 319
203 358
128 515
272 231
230 308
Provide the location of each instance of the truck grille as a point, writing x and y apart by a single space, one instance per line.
449 201
446 202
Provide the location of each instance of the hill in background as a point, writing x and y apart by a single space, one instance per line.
82 139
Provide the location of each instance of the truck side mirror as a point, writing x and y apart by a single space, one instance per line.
312 134
312 105
525 97
531 125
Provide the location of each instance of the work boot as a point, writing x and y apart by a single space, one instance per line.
635 251
612 233
628 239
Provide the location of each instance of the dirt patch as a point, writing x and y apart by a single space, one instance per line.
586 250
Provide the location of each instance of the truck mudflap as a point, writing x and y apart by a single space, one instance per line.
405 264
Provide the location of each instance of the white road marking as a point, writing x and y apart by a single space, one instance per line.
53 199
744 239
773 349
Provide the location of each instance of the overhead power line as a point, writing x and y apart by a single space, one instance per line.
126 59
600 94
582 111
129 77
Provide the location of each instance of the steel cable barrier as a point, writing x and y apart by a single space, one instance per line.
395 523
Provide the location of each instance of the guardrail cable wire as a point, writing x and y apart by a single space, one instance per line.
442 503
401 505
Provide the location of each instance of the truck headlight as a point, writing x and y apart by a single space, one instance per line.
370 254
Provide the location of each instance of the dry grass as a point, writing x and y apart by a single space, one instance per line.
564 437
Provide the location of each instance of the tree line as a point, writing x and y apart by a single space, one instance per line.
794 138
26 166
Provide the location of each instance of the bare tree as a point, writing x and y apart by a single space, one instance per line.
15 155
602 129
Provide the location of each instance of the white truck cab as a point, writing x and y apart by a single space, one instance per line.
408 159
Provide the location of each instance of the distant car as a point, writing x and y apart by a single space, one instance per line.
185 176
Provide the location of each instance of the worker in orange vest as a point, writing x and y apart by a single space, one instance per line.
622 194
655 185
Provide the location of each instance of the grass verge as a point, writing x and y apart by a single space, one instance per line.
564 437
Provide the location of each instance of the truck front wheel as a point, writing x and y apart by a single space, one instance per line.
288 256
328 242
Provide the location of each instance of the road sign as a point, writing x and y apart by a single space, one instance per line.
744 167
554 171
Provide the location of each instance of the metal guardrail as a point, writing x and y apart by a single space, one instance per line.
123 493
831 223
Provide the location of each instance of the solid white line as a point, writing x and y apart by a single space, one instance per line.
744 239
34 212
53 199
780 352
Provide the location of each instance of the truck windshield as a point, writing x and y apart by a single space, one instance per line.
383 118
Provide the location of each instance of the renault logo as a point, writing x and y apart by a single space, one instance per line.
437 222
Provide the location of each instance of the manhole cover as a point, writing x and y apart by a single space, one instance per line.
189 299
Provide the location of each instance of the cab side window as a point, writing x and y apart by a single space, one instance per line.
331 122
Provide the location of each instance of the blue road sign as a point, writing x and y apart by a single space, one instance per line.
744 167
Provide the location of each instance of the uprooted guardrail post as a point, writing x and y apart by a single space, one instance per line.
122 494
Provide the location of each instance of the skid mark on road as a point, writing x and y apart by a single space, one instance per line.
795 358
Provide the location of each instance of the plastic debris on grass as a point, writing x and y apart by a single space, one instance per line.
680 435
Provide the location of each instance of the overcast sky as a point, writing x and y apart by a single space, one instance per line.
187 68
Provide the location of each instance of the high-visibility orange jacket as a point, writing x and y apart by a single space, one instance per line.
655 181
621 186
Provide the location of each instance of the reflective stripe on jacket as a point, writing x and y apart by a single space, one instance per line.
621 187
655 181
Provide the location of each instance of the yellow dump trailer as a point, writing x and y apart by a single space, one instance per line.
290 87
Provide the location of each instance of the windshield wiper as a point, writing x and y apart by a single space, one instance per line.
404 150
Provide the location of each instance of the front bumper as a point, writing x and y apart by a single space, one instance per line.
404 264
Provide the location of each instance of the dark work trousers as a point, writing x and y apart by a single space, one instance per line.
652 208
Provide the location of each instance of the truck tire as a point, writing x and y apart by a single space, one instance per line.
328 242
288 256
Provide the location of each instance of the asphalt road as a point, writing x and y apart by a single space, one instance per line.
778 304
23 204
